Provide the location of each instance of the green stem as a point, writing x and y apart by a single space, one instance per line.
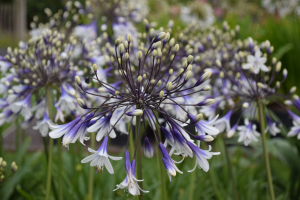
139 155
60 183
230 168
50 153
262 128
1 141
131 141
91 175
192 184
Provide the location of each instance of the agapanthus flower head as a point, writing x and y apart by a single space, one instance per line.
150 87
43 66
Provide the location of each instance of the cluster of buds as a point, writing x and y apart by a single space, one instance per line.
3 165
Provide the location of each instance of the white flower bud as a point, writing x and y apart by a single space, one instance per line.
278 66
206 88
159 83
198 117
171 71
161 94
126 56
94 67
121 48
129 38
140 78
117 92
221 74
190 67
136 112
118 42
156 45
245 105
284 72
140 54
169 86
154 53
274 60
190 59
81 103
261 85
293 89
144 76
172 42
152 81
176 48
218 63
188 75
77 79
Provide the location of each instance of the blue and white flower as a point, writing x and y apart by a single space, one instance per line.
100 157
43 126
103 126
256 63
247 133
271 127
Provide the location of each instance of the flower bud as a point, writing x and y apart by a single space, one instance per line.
129 38
121 48
161 94
117 42
77 79
4 163
176 48
148 150
245 105
136 112
156 45
205 138
278 66
172 42
218 63
94 67
81 103
284 72
198 117
203 78
159 37
117 93
190 59
126 56
293 89
206 88
171 71
140 54
140 78
169 86
206 102
188 75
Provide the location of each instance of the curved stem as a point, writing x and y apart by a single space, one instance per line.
50 153
91 175
139 155
263 136
230 169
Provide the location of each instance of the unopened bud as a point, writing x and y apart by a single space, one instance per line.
77 79
188 75
140 78
218 63
206 88
245 105
140 54
117 92
136 112
121 48
94 67
190 67
81 103
171 71
176 48
293 89
161 94
126 56
198 117
190 59
278 66
169 86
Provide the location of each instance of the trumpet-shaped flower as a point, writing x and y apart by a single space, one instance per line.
100 157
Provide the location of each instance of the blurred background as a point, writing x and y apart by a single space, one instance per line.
275 20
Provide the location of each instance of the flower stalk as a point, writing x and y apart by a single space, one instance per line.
50 153
139 155
262 128
91 175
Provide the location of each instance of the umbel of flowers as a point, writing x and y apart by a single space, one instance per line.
247 78
148 88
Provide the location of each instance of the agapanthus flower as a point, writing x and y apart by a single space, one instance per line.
149 85
42 67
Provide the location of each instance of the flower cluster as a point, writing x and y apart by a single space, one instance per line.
44 66
150 91
3 165
244 73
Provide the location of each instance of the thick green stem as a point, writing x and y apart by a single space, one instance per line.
50 153
236 194
263 136
139 155
59 152
91 175
131 141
